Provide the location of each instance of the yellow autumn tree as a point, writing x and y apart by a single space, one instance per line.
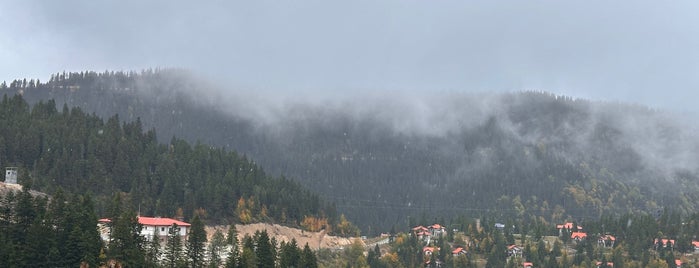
314 224
243 212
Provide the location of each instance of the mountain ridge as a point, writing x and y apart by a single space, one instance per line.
386 159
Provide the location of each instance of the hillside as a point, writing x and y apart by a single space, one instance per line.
83 153
316 240
388 160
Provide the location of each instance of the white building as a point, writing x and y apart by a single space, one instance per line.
11 175
151 227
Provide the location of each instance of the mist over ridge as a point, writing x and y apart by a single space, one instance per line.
384 157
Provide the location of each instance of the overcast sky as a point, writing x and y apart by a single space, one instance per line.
633 51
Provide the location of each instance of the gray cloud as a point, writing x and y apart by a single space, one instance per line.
635 51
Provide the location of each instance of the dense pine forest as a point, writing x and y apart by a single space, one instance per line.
383 161
82 153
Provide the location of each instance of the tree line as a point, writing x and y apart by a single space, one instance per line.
82 153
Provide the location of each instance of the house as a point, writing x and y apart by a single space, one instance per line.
160 227
568 226
421 232
696 245
664 243
437 229
678 263
578 236
458 251
609 264
151 227
429 250
514 250
527 265
606 241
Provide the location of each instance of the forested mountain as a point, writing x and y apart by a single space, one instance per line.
386 158
82 153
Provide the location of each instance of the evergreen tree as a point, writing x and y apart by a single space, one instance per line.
498 254
126 243
264 251
153 252
218 241
289 254
234 255
173 248
195 243
308 258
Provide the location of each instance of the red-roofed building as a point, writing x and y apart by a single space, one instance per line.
161 226
568 226
609 264
458 251
578 236
151 227
437 229
514 250
696 245
527 265
678 263
606 241
665 243
429 250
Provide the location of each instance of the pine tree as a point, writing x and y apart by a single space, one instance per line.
289 254
195 243
218 241
173 248
153 252
263 251
126 245
308 258
234 255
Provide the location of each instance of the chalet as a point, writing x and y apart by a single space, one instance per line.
664 243
151 228
527 265
568 226
514 250
678 263
578 236
696 246
437 229
606 241
609 264
422 233
429 250
458 251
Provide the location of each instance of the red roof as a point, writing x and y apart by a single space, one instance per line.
430 249
436 226
608 237
609 264
105 220
579 235
457 250
664 241
417 228
678 263
695 243
527 264
160 221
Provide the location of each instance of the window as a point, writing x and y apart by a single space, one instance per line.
162 229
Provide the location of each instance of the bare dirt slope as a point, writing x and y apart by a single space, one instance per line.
315 240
